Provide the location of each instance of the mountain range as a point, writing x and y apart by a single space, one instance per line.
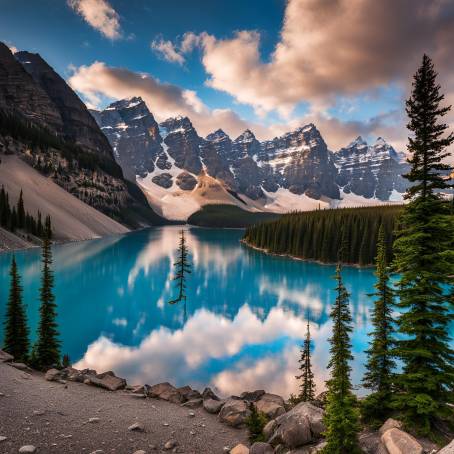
181 171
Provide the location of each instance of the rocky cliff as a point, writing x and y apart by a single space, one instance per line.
43 121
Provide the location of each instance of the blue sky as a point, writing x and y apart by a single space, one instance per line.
347 78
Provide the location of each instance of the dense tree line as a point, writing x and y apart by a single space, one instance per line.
322 234
15 217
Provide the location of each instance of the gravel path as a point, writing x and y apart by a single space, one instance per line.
55 419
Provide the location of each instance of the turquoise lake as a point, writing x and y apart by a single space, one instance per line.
245 318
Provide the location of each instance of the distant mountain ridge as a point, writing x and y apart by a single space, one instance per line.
294 171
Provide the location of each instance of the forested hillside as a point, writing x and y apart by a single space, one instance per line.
348 234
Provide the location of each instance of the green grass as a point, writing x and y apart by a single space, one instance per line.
228 216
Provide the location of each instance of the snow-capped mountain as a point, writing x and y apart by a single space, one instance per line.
181 171
372 171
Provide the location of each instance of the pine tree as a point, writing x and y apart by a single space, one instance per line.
307 387
424 259
182 267
48 345
380 363
341 417
20 211
16 341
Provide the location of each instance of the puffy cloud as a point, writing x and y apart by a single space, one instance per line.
167 50
330 48
100 15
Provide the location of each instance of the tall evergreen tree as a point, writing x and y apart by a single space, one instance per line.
380 363
47 350
20 211
424 257
16 341
341 417
182 267
307 387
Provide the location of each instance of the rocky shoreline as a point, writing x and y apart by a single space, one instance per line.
290 430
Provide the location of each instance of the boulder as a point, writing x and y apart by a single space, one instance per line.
390 423
234 412
80 375
261 448
194 394
269 429
209 394
138 389
108 380
252 396
166 391
213 406
448 449
53 375
5 357
399 442
370 443
239 449
302 425
271 404
312 449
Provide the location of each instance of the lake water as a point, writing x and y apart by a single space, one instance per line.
245 317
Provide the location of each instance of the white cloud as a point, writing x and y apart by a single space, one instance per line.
167 50
100 15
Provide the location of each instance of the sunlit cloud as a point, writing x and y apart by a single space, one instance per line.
100 15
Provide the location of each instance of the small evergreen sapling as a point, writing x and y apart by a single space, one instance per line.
307 387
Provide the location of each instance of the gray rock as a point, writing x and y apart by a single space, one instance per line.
108 380
400 442
53 375
370 442
234 412
140 451
166 391
448 449
5 357
170 444
390 423
303 424
252 396
213 406
93 420
271 404
27 449
2 438
261 448
312 449
136 427
209 394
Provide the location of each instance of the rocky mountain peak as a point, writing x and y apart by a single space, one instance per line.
246 137
177 124
359 142
217 136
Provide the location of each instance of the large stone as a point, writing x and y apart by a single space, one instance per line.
253 396
212 406
80 375
448 449
185 391
166 391
27 449
370 443
20 366
234 412
302 425
390 423
53 375
261 448
311 449
271 404
239 449
209 394
5 357
108 380
269 429
399 442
